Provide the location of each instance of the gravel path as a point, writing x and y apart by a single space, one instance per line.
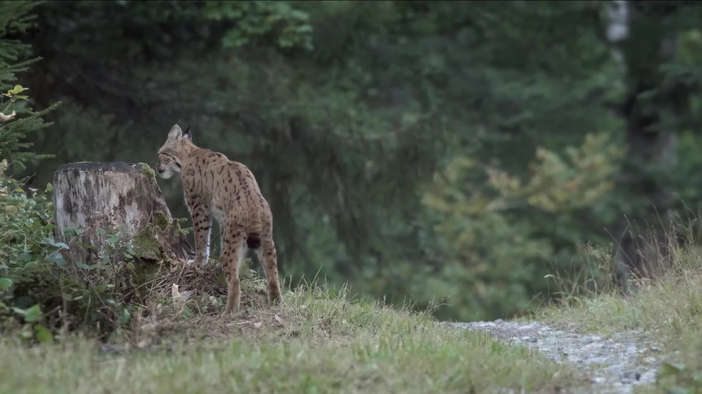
615 364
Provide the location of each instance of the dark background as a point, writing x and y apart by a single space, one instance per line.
441 152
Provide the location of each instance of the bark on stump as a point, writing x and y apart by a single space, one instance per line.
101 200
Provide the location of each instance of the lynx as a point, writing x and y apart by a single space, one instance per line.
215 186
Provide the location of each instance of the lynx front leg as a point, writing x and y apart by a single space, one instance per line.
232 255
268 258
202 225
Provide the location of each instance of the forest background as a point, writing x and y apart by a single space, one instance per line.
445 153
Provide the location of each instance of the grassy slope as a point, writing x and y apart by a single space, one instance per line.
320 341
668 309
317 341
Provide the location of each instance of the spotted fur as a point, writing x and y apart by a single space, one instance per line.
216 187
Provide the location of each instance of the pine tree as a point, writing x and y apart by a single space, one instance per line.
17 117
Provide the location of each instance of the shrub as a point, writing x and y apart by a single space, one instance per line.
39 290
24 247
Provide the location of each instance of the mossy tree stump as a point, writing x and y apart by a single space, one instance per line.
96 201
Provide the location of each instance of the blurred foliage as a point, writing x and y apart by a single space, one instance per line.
556 184
14 59
41 292
249 21
26 221
486 218
434 151
38 291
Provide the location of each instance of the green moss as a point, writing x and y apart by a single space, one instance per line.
145 244
181 224
160 220
147 170
142 273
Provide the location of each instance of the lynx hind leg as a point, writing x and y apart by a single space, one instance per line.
232 255
202 226
268 258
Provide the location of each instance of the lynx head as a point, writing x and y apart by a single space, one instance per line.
170 153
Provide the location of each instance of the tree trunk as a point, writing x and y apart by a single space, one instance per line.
644 45
101 204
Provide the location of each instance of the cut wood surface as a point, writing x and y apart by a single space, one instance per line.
98 200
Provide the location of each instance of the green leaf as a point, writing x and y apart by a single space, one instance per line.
33 314
15 91
668 369
5 283
125 316
18 89
56 258
30 315
26 332
54 243
43 334
84 266
678 390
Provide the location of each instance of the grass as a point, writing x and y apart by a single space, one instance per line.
321 340
667 309
318 340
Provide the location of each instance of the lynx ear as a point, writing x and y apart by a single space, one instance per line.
175 131
188 134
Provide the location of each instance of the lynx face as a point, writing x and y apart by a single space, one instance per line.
168 162
167 165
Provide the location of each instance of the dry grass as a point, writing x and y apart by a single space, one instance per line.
193 308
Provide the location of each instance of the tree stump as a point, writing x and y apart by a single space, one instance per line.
97 203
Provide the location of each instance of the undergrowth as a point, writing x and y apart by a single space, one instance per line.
27 256
43 291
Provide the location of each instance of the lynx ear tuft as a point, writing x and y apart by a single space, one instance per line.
175 131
